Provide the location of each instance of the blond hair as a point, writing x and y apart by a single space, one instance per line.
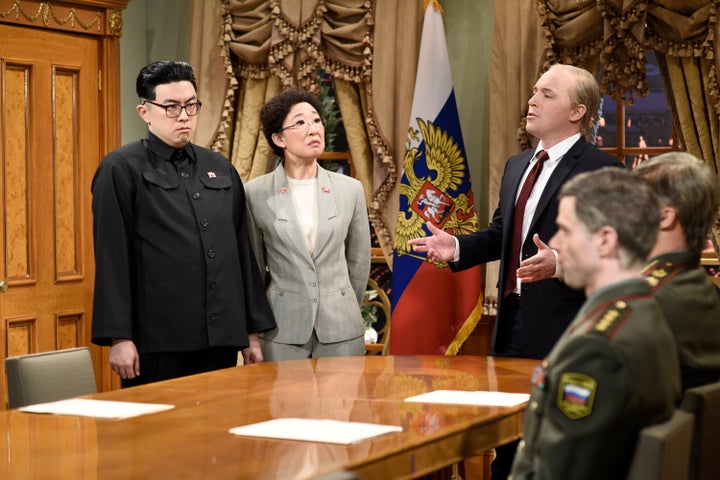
586 92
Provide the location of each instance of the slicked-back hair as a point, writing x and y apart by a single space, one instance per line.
616 198
160 73
586 92
684 182
275 111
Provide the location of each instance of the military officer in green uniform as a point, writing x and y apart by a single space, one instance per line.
689 194
615 369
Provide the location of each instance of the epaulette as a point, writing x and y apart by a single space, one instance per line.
613 318
658 273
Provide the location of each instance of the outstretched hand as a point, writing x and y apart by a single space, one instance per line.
440 246
540 266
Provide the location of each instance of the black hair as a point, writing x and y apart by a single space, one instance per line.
160 73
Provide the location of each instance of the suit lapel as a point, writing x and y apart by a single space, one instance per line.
327 210
281 194
558 177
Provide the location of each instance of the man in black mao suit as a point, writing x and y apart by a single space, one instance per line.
177 288
534 311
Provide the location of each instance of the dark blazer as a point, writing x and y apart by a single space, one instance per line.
548 305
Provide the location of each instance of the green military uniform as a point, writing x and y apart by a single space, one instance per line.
614 371
691 306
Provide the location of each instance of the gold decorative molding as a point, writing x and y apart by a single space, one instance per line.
48 14
115 22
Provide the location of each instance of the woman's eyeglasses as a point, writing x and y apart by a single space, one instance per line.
303 125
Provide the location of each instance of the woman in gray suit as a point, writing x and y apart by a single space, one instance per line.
312 238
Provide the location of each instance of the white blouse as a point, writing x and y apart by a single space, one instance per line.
304 195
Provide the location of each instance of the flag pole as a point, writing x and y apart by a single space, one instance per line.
436 6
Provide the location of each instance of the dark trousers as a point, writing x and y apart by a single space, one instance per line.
158 366
510 338
501 466
510 342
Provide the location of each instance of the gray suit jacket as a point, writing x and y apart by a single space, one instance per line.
324 291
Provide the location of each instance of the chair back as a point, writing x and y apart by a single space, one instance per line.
704 403
49 376
663 450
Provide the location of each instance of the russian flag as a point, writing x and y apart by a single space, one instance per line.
433 309
576 394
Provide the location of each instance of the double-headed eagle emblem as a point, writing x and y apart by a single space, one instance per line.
435 190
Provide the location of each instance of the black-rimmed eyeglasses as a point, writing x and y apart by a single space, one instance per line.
174 109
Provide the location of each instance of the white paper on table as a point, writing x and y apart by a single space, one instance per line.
315 430
458 397
84 407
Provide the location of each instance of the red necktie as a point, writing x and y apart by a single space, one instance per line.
516 242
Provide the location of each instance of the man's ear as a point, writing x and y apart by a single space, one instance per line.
606 240
143 112
578 112
668 217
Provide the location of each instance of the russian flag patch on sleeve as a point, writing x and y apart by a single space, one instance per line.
576 395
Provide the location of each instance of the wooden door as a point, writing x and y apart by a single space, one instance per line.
49 149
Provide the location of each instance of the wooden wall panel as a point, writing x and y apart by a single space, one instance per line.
15 179
68 263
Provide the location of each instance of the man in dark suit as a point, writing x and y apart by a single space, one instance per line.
534 305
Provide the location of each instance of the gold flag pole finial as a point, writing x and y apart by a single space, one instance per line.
436 5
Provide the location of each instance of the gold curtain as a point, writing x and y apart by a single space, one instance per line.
212 69
518 45
398 28
684 35
572 31
265 46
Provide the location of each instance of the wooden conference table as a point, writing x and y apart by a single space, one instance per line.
192 440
